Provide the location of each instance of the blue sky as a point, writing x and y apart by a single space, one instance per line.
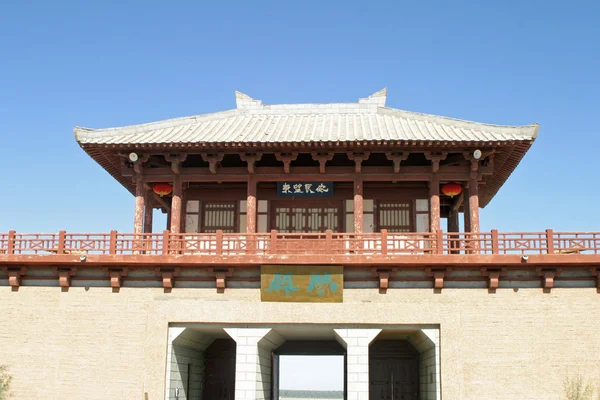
109 63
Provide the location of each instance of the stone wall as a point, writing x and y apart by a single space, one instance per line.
93 343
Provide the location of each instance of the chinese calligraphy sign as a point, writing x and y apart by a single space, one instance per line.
291 189
299 283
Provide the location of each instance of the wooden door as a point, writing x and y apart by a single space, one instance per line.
393 371
219 370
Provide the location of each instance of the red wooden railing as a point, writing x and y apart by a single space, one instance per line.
275 243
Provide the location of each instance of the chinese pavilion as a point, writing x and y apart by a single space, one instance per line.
346 229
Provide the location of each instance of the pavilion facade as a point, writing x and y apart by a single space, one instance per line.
346 229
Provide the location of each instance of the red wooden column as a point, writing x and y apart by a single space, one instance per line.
467 210
358 204
251 205
148 211
138 219
434 204
176 205
474 204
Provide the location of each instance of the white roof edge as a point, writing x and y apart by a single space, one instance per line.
249 107
85 132
457 121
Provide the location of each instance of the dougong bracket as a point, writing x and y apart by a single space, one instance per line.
396 158
358 158
212 160
435 159
286 159
176 160
322 158
251 159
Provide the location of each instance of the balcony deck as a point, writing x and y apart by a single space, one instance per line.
240 249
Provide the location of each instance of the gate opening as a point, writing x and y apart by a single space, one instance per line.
309 369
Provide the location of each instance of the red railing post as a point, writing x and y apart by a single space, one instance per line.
495 242
10 248
60 246
550 241
384 247
273 244
439 242
112 242
219 245
165 241
329 240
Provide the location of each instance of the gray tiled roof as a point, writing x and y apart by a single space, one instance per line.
253 122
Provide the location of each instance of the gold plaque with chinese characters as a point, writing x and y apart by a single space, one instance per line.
302 283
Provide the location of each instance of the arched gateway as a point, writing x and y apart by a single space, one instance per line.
294 227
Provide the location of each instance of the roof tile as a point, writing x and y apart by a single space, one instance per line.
302 123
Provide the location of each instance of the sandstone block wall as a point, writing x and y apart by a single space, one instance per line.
92 343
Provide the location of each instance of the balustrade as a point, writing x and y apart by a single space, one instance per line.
276 243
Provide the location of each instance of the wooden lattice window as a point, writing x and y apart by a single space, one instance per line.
209 216
395 216
307 219
219 216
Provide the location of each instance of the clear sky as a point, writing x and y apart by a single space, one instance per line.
311 373
112 63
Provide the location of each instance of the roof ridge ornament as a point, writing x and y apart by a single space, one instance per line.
378 98
245 102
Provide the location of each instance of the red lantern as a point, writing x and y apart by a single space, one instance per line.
162 189
451 189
